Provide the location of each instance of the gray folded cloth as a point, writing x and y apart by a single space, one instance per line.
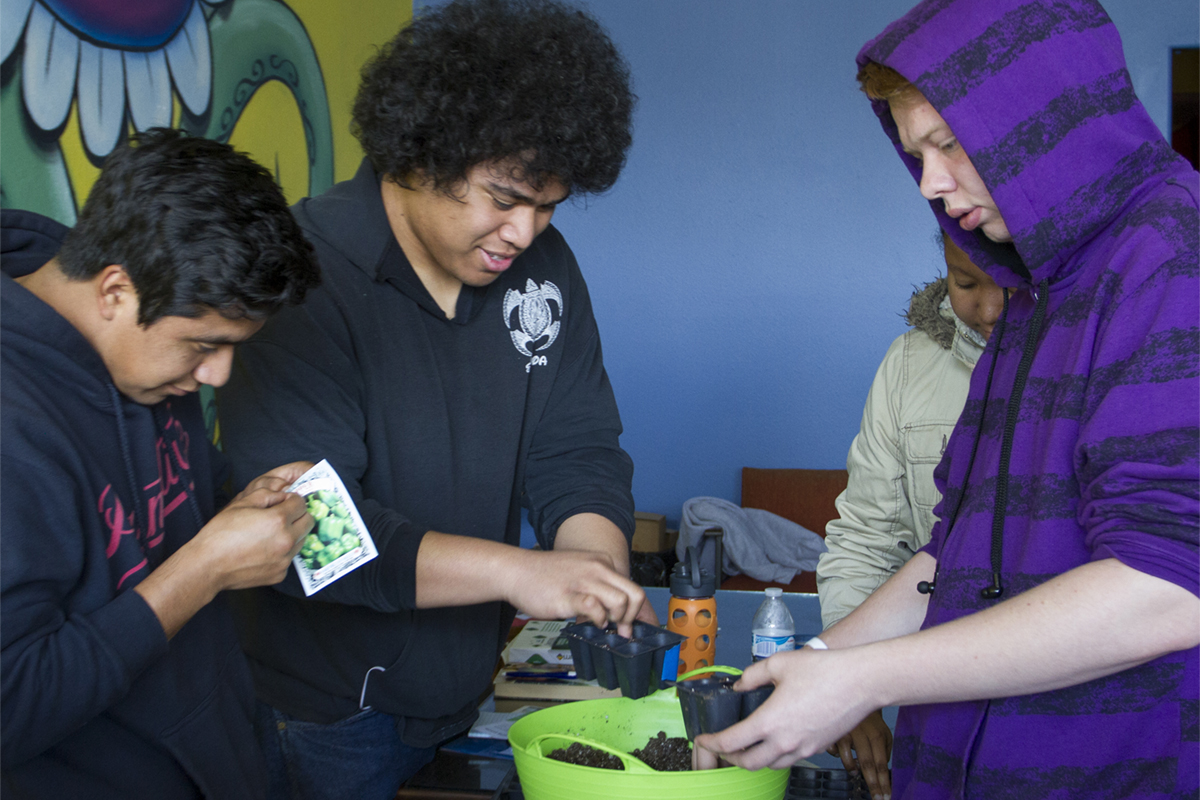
763 545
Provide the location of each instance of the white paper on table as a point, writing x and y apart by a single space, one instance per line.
495 724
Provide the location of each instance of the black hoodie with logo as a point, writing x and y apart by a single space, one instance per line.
434 424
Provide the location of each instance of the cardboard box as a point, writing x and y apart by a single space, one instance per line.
539 642
650 533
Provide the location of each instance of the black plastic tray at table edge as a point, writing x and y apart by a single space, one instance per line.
633 664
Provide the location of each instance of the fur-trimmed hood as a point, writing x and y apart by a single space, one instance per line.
929 311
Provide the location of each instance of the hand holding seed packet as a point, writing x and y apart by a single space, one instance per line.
339 542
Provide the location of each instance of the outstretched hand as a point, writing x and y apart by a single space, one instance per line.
561 584
815 702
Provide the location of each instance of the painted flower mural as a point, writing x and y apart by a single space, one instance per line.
115 56
123 63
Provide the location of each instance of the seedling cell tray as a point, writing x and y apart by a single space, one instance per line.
639 665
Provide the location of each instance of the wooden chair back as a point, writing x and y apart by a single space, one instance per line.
805 496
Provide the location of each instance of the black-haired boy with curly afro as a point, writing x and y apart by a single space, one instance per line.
450 370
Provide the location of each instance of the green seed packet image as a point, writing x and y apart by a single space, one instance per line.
339 542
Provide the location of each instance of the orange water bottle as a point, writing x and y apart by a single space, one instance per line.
692 612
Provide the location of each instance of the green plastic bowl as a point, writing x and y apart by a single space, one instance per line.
619 725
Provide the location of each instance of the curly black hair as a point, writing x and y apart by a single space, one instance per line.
536 82
196 225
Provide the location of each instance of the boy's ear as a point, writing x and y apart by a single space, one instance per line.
115 293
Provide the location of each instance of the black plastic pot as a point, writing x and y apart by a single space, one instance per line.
635 664
711 704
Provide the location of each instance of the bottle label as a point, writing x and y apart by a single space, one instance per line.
765 646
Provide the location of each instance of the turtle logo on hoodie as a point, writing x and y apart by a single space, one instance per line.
535 319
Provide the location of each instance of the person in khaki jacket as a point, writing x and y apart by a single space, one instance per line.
886 511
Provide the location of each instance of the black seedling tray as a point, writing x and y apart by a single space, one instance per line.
634 664
710 704
806 783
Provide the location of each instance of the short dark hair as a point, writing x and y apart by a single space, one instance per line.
196 225
484 81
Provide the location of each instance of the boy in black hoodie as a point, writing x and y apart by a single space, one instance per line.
449 368
122 677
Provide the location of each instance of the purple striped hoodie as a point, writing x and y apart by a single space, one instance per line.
1104 411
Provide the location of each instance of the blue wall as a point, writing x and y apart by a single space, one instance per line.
749 268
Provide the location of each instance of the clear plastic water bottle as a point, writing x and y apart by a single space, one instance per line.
773 628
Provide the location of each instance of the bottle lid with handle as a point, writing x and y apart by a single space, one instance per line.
689 580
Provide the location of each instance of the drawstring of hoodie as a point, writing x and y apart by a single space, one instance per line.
127 458
1000 504
927 587
999 507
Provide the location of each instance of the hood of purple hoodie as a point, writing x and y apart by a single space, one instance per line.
1052 127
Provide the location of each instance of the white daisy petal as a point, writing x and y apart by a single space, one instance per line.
48 69
101 97
13 14
190 57
148 86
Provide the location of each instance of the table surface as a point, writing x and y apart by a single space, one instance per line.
735 615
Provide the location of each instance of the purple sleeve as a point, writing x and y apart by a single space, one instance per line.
1137 455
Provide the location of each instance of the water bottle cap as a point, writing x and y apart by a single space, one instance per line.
774 591
689 580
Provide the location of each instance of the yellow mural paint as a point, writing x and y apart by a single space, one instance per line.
344 41
270 131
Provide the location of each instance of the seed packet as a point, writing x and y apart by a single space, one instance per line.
339 542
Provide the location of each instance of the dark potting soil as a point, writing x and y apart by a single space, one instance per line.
661 753
666 754
586 756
